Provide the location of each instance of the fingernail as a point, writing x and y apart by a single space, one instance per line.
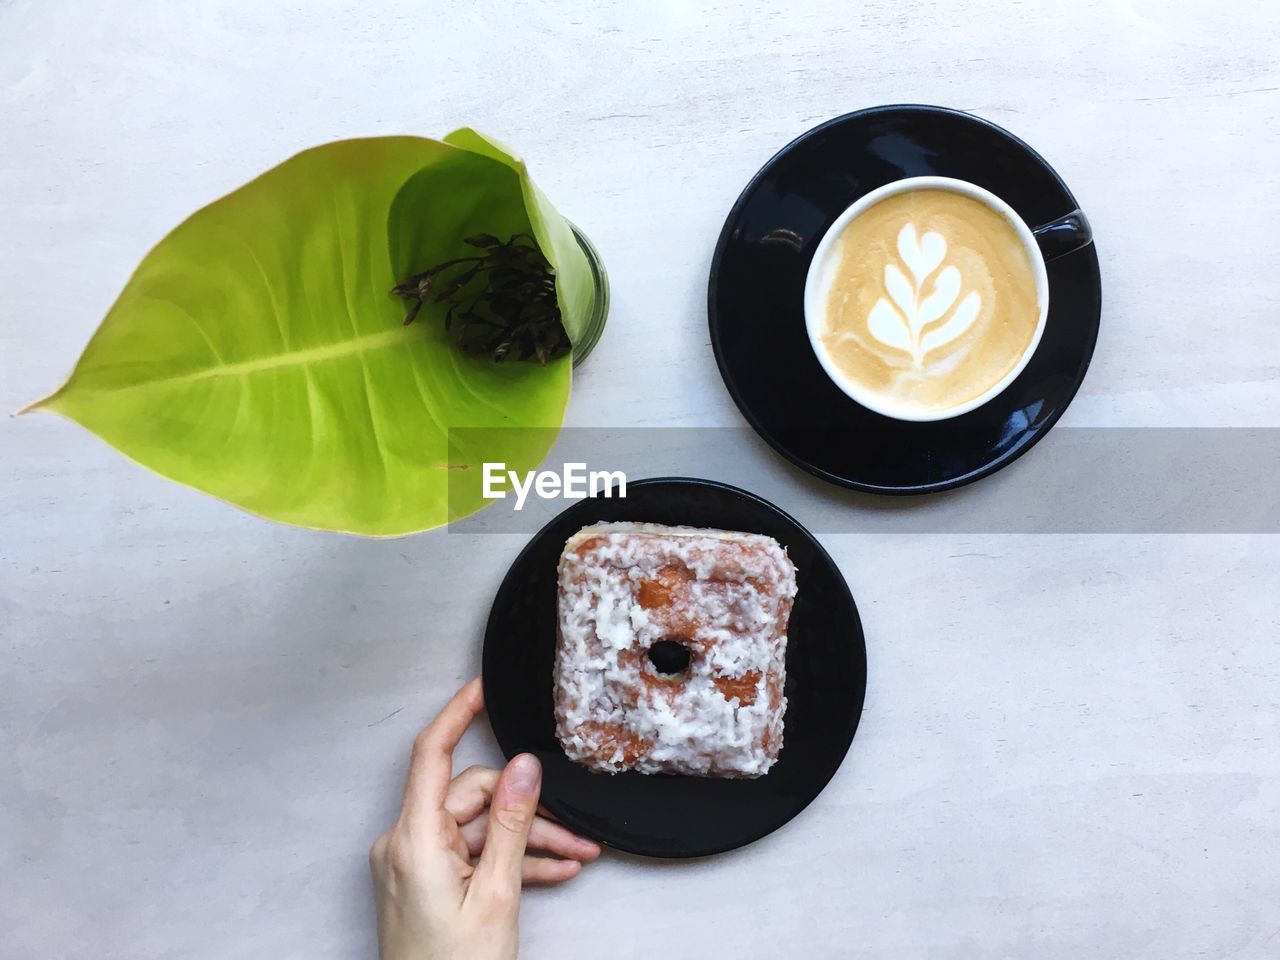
524 773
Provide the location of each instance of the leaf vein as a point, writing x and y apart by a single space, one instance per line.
330 351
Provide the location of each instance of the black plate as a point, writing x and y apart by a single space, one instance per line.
756 302
665 816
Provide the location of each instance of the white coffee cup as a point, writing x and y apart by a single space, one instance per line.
823 267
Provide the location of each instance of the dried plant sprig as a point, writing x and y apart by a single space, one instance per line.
500 302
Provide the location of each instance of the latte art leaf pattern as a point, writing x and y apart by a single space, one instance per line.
908 318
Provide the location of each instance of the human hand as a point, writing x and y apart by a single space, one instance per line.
447 875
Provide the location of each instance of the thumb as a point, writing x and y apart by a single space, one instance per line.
511 814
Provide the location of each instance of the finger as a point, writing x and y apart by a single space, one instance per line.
470 792
547 870
473 834
496 882
561 841
544 869
431 765
543 835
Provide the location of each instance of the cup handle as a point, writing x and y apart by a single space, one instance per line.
1062 236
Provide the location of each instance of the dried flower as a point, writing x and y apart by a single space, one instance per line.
500 302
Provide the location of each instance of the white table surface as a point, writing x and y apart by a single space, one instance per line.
1069 747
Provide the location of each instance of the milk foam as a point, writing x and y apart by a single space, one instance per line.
899 320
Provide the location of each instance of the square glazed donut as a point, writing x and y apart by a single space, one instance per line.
672 649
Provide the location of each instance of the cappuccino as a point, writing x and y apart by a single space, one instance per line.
925 301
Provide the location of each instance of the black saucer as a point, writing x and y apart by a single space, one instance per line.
756 293
664 816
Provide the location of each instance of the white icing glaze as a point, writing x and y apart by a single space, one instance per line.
732 614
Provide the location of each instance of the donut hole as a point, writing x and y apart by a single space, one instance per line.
670 658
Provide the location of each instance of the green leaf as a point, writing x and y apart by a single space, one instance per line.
574 285
257 354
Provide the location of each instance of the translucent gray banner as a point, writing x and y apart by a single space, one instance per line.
1076 480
